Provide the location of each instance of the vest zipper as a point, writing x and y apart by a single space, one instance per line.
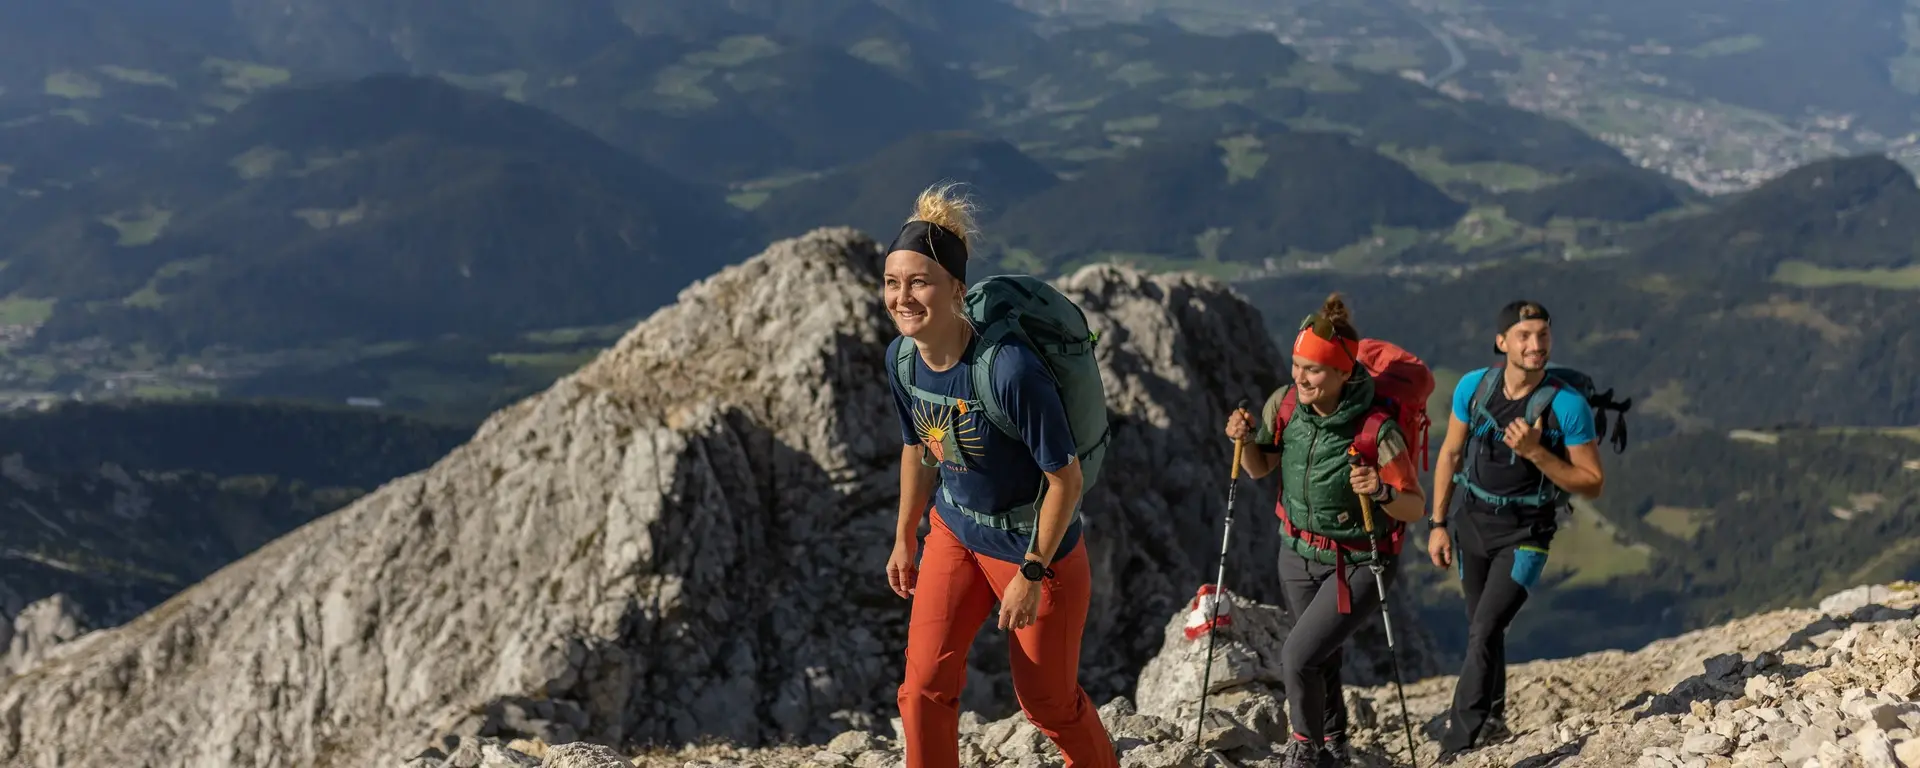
1306 472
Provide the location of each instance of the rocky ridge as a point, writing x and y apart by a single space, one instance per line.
1831 687
682 541
37 631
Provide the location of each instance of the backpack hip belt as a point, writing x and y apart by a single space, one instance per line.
1549 498
1340 547
1023 519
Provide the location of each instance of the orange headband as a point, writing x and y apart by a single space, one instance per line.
1340 355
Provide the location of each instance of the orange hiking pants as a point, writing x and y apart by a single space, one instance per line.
955 593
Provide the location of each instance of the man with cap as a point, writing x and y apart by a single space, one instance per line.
1499 548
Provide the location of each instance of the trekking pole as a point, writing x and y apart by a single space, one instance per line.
1386 621
1219 592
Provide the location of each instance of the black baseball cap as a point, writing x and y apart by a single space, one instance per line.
1516 311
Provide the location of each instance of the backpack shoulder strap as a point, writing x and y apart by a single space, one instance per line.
1367 441
1541 402
1476 412
902 362
903 368
1288 402
1489 379
980 371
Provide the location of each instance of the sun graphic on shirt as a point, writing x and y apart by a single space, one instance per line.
947 431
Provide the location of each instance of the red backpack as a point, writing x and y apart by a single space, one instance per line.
1402 382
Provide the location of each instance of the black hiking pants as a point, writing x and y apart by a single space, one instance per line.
1311 656
1485 548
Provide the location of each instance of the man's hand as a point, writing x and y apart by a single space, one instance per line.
902 572
1019 603
1524 438
1440 547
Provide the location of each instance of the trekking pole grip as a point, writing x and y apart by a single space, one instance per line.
1366 502
1238 445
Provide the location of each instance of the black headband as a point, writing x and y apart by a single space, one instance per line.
935 242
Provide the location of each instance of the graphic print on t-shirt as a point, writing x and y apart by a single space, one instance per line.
949 431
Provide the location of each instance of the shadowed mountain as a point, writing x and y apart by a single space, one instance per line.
387 207
1238 199
876 195
1856 213
1605 194
755 106
120 506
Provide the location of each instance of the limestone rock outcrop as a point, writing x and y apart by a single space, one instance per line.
684 540
38 631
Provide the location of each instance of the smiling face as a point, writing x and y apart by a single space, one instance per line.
921 296
1527 344
1315 384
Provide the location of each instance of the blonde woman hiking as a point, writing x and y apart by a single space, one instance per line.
1008 415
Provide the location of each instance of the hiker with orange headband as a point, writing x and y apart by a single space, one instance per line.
1326 537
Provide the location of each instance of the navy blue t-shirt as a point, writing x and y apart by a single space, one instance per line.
999 472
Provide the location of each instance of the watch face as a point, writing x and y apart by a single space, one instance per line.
1032 570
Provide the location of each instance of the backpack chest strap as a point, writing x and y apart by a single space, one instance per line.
903 372
948 401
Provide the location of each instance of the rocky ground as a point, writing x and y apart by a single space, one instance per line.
1831 687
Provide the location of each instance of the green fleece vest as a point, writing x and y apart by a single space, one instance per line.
1314 473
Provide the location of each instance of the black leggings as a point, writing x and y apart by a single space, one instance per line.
1311 655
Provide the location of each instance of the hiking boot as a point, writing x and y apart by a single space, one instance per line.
1338 748
1305 754
1302 753
1493 731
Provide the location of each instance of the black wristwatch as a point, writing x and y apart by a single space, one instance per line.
1034 571
1385 495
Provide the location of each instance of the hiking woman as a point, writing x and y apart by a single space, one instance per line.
992 487
1326 548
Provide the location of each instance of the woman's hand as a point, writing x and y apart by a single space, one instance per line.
1364 479
1019 603
902 570
1239 425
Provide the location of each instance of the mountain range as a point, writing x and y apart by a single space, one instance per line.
1722 93
279 169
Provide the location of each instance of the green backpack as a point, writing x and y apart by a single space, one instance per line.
1032 311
